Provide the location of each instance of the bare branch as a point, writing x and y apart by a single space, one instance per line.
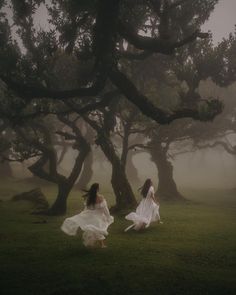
157 45
150 110
103 102
30 92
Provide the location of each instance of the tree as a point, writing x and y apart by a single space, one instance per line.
91 31
218 135
88 34
104 122
87 171
37 142
192 66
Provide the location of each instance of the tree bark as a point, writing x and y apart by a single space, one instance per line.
51 174
123 192
59 207
167 188
65 185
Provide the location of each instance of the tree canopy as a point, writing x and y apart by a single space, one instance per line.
99 35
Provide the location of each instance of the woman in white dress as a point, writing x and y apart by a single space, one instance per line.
148 209
94 220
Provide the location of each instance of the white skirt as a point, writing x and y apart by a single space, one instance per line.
146 212
93 222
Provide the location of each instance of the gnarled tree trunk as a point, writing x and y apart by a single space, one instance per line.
167 188
59 207
124 195
123 192
64 184
46 166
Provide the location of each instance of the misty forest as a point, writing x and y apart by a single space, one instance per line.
115 92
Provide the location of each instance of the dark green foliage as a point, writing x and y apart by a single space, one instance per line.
91 31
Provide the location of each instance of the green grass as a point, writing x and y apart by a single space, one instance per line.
193 252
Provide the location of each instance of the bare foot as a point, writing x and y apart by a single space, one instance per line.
102 244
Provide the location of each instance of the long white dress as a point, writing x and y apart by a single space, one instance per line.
146 212
93 221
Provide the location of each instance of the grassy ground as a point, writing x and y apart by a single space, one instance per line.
193 252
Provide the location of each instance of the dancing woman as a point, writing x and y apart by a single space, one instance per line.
94 220
148 209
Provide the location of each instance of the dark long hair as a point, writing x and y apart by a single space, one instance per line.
91 194
145 188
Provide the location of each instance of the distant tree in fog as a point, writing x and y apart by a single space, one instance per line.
180 81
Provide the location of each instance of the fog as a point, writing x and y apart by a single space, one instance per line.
202 169
222 20
208 168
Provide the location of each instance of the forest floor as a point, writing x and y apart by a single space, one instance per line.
193 252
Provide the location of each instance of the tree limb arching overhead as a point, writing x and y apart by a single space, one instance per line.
108 23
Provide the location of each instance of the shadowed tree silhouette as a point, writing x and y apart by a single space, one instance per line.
90 31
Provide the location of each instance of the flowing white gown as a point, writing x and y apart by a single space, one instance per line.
146 212
93 221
